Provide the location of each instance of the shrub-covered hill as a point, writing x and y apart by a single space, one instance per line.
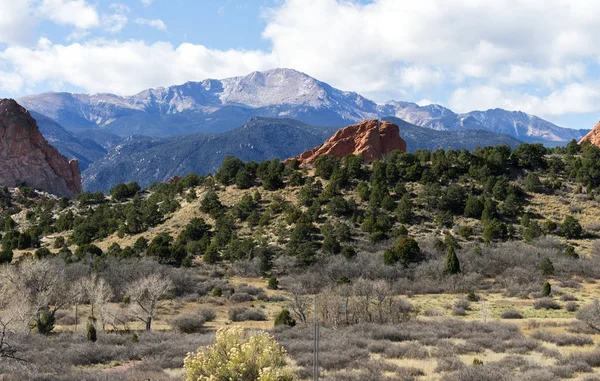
464 239
481 197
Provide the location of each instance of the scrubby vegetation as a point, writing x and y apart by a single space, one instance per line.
422 256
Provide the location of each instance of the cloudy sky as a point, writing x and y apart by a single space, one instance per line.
540 57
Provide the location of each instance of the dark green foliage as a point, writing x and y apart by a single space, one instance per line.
9 224
331 245
245 179
212 205
265 256
194 231
546 289
445 219
404 212
547 267
453 199
378 226
494 230
530 156
217 291
339 206
88 249
511 206
45 322
273 283
532 231
42 253
473 207
6 256
571 228
121 192
140 245
348 252
326 165
405 251
573 148
91 329
533 183
226 175
569 251
452 265
465 231
272 175
285 318
473 297
490 211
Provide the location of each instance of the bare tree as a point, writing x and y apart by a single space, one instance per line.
34 288
98 292
590 315
7 351
300 303
145 295
364 294
383 299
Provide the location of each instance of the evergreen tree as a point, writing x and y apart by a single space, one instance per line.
547 267
571 227
285 318
546 289
452 264
91 329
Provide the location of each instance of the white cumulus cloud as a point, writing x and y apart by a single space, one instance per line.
155 23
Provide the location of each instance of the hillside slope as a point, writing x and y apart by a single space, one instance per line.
148 160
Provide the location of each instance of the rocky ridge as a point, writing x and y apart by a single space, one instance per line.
593 136
26 158
370 138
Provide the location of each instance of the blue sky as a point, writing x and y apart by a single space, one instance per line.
537 56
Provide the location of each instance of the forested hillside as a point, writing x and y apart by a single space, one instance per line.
417 260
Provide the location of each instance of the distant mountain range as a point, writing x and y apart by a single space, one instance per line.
222 105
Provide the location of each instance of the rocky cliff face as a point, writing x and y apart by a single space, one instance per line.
369 138
26 158
593 136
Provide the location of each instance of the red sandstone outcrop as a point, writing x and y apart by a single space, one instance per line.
368 138
26 158
593 136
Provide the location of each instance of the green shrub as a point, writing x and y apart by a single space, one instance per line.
406 250
571 228
546 289
285 318
91 329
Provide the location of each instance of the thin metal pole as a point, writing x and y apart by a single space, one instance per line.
316 343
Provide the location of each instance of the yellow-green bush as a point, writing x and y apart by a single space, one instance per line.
238 355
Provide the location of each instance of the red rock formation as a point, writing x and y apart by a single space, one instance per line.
26 158
368 138
593 136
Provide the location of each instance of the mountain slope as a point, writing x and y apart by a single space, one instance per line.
207 106
425 138
85 150
221 105
147 160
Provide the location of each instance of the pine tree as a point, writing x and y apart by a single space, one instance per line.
452 263
546 289
91 329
